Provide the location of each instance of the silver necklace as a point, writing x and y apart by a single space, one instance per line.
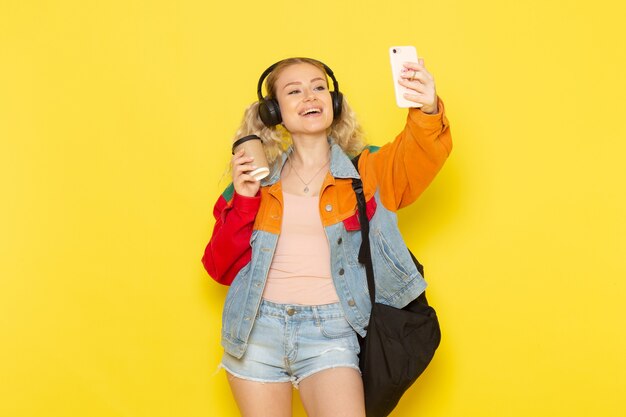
306 184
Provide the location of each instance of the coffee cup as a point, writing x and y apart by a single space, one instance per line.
253 147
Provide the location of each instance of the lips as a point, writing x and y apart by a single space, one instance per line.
311 111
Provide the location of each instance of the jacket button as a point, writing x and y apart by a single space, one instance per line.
329 207
339 241
351 303
341 271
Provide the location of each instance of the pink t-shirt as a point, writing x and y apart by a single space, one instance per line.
300 269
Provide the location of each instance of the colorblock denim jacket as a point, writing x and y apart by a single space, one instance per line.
247 228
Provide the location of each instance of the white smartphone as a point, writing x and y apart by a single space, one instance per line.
398 55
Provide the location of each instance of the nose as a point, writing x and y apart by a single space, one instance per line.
309 96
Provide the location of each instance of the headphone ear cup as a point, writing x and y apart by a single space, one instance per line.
337 98
269 111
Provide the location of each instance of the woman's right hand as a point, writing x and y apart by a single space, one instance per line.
244 183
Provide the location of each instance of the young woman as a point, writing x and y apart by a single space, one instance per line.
288 245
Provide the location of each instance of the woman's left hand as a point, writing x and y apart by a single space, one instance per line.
415 77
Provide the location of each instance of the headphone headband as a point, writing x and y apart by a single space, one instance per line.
271 68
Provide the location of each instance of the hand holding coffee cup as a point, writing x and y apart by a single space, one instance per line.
249 165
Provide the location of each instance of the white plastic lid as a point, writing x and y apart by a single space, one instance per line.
260 173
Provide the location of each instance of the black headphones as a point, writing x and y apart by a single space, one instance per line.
269 111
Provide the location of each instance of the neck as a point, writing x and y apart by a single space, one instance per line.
309 151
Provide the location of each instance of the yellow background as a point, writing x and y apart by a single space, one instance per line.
115 123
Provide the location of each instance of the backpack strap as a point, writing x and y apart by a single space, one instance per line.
365 253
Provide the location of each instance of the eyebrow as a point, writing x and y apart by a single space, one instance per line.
299 82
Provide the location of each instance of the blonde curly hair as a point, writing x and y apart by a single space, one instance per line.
345 130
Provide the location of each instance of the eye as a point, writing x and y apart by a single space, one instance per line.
293 92
320 88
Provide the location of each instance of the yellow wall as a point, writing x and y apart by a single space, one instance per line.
115 122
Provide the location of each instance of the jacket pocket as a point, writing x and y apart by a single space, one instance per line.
389 256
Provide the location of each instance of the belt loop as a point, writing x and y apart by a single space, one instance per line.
316 316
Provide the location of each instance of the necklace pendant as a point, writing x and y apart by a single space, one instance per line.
306 189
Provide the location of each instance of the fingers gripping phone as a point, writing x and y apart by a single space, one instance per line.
398 55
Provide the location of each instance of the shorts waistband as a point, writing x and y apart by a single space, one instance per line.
301 312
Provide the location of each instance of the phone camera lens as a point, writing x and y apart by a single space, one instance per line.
395 50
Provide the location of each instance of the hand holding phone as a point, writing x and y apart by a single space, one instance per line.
413 84
398 55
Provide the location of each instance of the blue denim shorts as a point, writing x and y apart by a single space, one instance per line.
290 342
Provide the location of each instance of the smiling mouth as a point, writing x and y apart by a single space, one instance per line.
309 112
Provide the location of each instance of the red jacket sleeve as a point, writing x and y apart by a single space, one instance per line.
229 248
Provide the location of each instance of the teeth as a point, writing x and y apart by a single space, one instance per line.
312 111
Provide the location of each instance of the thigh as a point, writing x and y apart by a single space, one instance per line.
336 392
261 399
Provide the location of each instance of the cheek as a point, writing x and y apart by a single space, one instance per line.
286 106
288 113
329 104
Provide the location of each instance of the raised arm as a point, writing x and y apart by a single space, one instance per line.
229 248
402 169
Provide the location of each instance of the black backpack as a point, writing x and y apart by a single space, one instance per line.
400 343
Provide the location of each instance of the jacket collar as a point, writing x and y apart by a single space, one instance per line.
340 164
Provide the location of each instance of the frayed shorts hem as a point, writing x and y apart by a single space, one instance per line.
253 379
325 368
295 381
